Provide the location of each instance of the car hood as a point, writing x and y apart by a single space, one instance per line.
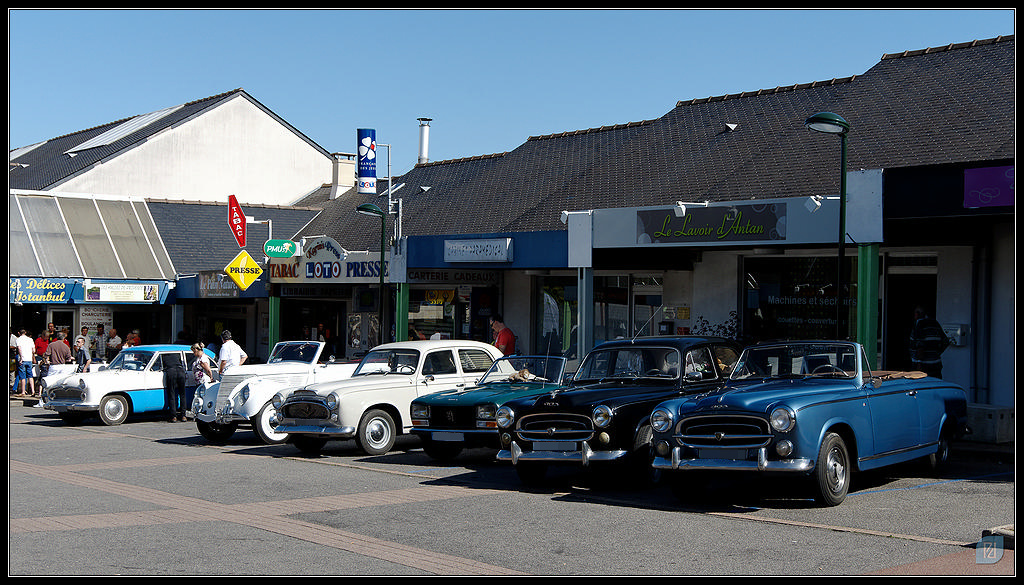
584 397
100 377
761 396
267 369
492 393
360 384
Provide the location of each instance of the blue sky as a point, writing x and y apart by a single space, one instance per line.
489 79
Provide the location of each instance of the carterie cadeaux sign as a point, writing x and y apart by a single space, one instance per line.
324 261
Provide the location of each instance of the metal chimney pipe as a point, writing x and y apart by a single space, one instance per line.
424 140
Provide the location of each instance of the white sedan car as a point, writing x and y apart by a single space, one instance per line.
373 405
243 394
133 383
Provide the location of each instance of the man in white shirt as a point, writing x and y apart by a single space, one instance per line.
26 359
231 354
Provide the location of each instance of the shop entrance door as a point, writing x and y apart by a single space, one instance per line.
904 292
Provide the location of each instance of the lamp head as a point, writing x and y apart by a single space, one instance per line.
370 209
828 123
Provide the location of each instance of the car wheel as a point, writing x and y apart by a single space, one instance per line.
376 433
441 450
531 473
640 459
832 473
266 427
214 432
310 445
937 460
113 409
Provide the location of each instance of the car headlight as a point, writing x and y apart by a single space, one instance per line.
277 401
602 416
486 411
332 401
419 411
504 416
661 420
782 419
81 384
245 393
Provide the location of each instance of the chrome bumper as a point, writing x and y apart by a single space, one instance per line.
68 406
584 455
320 430
762 463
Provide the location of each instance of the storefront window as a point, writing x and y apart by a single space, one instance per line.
794 298
555 317
432 313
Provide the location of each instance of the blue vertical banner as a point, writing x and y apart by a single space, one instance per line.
366 172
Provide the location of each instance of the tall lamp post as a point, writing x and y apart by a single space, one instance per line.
830 123
371 209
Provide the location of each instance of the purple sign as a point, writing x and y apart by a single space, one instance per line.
988 187
366 171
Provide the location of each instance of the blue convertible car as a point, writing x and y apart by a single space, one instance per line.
809 409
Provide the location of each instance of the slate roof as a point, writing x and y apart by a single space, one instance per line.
40 167
197 237
945 105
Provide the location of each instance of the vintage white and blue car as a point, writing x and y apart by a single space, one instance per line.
372 406
133 383
810 409
243 395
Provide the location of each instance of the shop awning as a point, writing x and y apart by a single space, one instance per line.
60 235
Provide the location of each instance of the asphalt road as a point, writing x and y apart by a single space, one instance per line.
153 498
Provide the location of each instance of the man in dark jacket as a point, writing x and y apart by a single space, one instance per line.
927 342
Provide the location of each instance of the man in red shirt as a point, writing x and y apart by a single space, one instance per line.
504 339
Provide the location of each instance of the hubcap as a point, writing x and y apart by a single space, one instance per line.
377 432
836 470
113 409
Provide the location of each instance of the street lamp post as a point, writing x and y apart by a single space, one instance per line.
371 209
830 123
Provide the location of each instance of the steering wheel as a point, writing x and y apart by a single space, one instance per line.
827 369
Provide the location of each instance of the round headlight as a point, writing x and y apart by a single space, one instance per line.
504 417
661 420
782 419
245 393
277 401
602 416
81 384
332 401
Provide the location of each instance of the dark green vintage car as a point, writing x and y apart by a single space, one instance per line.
453 420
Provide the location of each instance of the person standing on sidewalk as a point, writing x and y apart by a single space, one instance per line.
174 385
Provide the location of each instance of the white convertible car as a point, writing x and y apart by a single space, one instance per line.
243 394
373 405
133 383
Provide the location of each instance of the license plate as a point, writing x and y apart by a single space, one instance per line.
554 446
723 454
446 436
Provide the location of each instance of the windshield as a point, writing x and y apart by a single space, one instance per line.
630 362
294 352
389 361
797 360
526 369
133 360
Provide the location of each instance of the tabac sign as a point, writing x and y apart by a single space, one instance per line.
236 220
243 270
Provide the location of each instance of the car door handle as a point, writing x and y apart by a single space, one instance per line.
912 393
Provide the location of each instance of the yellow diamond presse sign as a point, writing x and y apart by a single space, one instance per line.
243 270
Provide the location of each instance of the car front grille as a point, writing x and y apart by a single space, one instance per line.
555 427
64 393
724 431
305 407
452 417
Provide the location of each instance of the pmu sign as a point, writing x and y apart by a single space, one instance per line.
236 220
